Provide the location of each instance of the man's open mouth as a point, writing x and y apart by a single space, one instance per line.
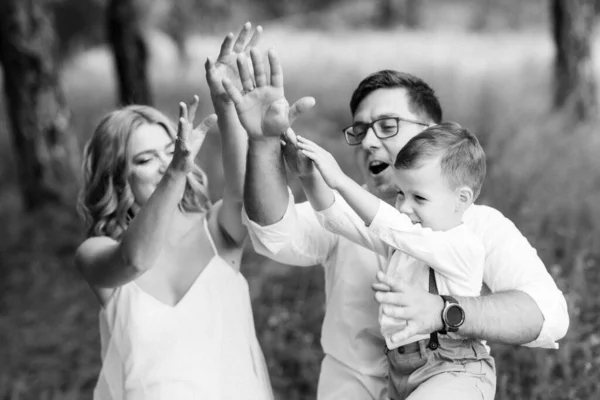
377 167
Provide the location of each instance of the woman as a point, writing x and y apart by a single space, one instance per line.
163 261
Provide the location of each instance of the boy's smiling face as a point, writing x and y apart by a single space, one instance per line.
426 196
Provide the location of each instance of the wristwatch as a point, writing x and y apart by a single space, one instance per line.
453 315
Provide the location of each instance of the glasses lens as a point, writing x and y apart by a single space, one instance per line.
352 136
386 127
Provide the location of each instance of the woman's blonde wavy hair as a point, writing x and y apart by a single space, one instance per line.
105 200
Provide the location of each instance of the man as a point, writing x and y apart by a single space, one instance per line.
526 307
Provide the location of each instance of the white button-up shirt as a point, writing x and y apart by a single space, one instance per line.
457 256
354 364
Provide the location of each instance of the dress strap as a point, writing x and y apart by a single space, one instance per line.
210 239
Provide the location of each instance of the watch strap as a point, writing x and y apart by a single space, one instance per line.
434 342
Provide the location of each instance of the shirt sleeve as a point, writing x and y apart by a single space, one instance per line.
456 254
341 219
513 264
297 239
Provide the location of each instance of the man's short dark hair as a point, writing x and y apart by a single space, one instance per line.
462 160
422 98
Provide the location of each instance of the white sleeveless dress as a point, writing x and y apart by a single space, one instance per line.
204 347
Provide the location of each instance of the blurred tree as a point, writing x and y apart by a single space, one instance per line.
399 12
124 23
47 152
575 85
283 8
77 24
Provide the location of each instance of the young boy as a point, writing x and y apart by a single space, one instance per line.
439 174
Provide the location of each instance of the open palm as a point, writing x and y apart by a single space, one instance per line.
189 138
263 110
225 64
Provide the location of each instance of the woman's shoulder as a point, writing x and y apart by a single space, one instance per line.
87 256
90 247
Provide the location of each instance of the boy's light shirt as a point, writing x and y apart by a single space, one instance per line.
457 255
350 332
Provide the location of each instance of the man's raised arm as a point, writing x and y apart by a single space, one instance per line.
266 115
265 190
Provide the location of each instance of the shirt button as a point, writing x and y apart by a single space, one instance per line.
401 349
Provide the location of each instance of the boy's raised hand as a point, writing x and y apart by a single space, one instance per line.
324 161
262 107
297 162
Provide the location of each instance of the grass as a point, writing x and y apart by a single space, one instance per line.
542 174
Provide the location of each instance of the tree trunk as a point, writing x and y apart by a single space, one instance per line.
387 13
412 13
399 12
575 86
125 34
47 152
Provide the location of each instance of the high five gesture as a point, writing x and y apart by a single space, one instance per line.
262 107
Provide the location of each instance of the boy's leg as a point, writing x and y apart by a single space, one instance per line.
478 382
404 362
458 369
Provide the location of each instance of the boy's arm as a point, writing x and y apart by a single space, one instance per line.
334 212
457 254
362 202
526 307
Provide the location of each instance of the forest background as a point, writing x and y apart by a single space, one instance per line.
521 75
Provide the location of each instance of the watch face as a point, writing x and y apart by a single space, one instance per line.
454 316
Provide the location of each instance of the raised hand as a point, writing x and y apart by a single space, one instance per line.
225 64
324 161
296 161
263 109
400 300
189 139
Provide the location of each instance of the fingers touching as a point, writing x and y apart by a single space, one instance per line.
255 38
234 94
259 68
244 71
300 107
207 123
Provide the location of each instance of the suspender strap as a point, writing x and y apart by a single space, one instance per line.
434 343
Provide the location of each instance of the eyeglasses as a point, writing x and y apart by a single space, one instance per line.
383 128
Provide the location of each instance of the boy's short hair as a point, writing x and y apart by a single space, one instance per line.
462 160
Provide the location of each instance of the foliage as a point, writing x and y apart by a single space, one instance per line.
543 175
80 23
